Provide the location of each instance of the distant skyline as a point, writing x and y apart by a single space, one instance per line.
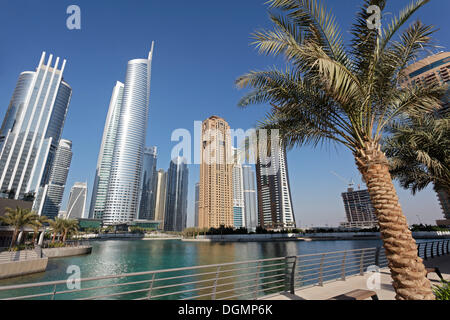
201 48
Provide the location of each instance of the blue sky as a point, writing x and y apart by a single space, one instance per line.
201 47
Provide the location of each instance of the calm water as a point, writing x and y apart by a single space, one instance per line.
126 256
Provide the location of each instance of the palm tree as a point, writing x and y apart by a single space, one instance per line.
56 226
69 226
330 93
419 152
37 224
18 218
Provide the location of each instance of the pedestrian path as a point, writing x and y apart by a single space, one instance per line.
384 290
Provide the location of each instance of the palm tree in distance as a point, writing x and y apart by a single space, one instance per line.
18 218
419 152
330 93
57 227
68 227
37 224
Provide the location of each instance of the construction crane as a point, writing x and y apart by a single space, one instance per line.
350 182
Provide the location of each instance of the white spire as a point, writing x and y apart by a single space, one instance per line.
150 54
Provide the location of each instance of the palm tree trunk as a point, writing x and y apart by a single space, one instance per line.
14 237
407 269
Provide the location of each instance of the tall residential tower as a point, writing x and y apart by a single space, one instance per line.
148 186
32 128
122 198
177 190
49 198
215 207
274 196
104 162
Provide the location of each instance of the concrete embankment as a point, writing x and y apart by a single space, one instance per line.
67 251
127 236
310 236
20 263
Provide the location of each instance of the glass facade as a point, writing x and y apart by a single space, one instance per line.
148 186
122 199
77 201
48 201
177 190
104 162
32 128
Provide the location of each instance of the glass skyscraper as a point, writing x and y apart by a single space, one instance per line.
49 198
238 193
104 162
124 181
148 187
275 209
177 190
250 208
32 128
77 201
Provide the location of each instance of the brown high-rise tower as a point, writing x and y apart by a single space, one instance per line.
215 207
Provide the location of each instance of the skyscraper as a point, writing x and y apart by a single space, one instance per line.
358 209
238 193
197 192
122 201
77 201
49 197
161 194
250 208
104 162
32 128
148 186
430 70
177 190
215 206
274 196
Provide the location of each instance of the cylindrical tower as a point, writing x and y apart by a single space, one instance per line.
123 190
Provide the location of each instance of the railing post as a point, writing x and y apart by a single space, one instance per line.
361 264
321 270
257 280
343 265
213 297
425 251
151 287
291 274
432 248
448 246
418 250
377 257
54 292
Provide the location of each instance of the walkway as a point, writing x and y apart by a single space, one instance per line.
385 291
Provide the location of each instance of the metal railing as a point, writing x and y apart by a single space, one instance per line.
431 249
238 280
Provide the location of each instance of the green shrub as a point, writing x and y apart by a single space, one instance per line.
56 245
442 292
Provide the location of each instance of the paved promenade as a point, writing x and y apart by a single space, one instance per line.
385 292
